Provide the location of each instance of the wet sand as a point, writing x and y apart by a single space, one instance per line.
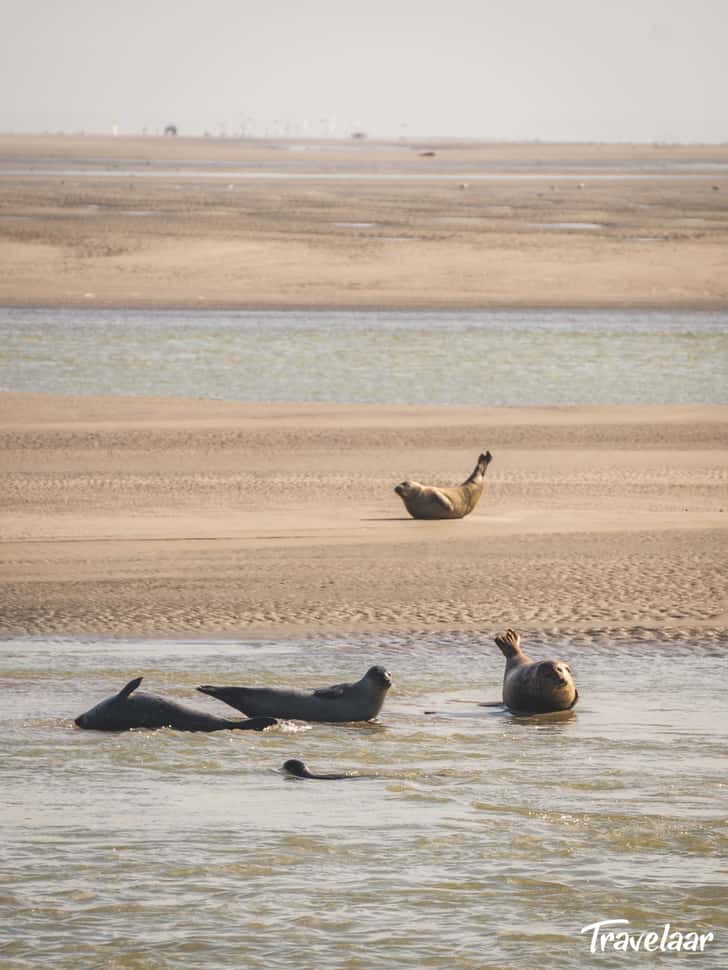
136 516
152 222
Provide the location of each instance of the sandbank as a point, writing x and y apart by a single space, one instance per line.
194 222
166 517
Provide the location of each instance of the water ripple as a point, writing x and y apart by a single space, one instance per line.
480 840
428 358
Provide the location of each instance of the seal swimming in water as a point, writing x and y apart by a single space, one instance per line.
534 687
301 770
127 710
360 701
430 502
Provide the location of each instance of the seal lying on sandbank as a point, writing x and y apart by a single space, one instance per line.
343 702
430 502
127 710
300 770
534 687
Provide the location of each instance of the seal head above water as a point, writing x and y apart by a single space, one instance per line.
431 502
360 701
128 709
299 769
534 687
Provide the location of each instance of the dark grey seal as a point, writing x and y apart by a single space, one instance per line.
127 710
300 770
432 502
343 702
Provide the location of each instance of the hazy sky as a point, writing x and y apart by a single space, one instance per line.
550 69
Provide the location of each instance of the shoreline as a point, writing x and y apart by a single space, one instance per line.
361 306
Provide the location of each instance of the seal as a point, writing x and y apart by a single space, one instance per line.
360 701
430 502
127 710
301 770
534 687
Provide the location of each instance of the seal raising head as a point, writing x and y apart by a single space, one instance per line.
430 502
534 687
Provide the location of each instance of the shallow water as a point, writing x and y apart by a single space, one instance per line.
483 840
476 358
280 169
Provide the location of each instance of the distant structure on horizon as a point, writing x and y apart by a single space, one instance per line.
171 131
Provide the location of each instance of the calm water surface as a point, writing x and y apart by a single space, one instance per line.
457 357
483 840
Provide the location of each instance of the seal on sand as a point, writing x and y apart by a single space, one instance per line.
127 710
300 770
534 687
343 702
430 502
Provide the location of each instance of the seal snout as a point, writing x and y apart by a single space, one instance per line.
380 675
557 675
80 721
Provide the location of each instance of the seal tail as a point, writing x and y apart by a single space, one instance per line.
256 723
224 694
480 469
236 697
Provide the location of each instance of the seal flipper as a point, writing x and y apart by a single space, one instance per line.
442 500
228 695
129 689
509 643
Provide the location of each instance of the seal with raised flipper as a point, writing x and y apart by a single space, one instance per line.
360 701
432 502
128 709
534 686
